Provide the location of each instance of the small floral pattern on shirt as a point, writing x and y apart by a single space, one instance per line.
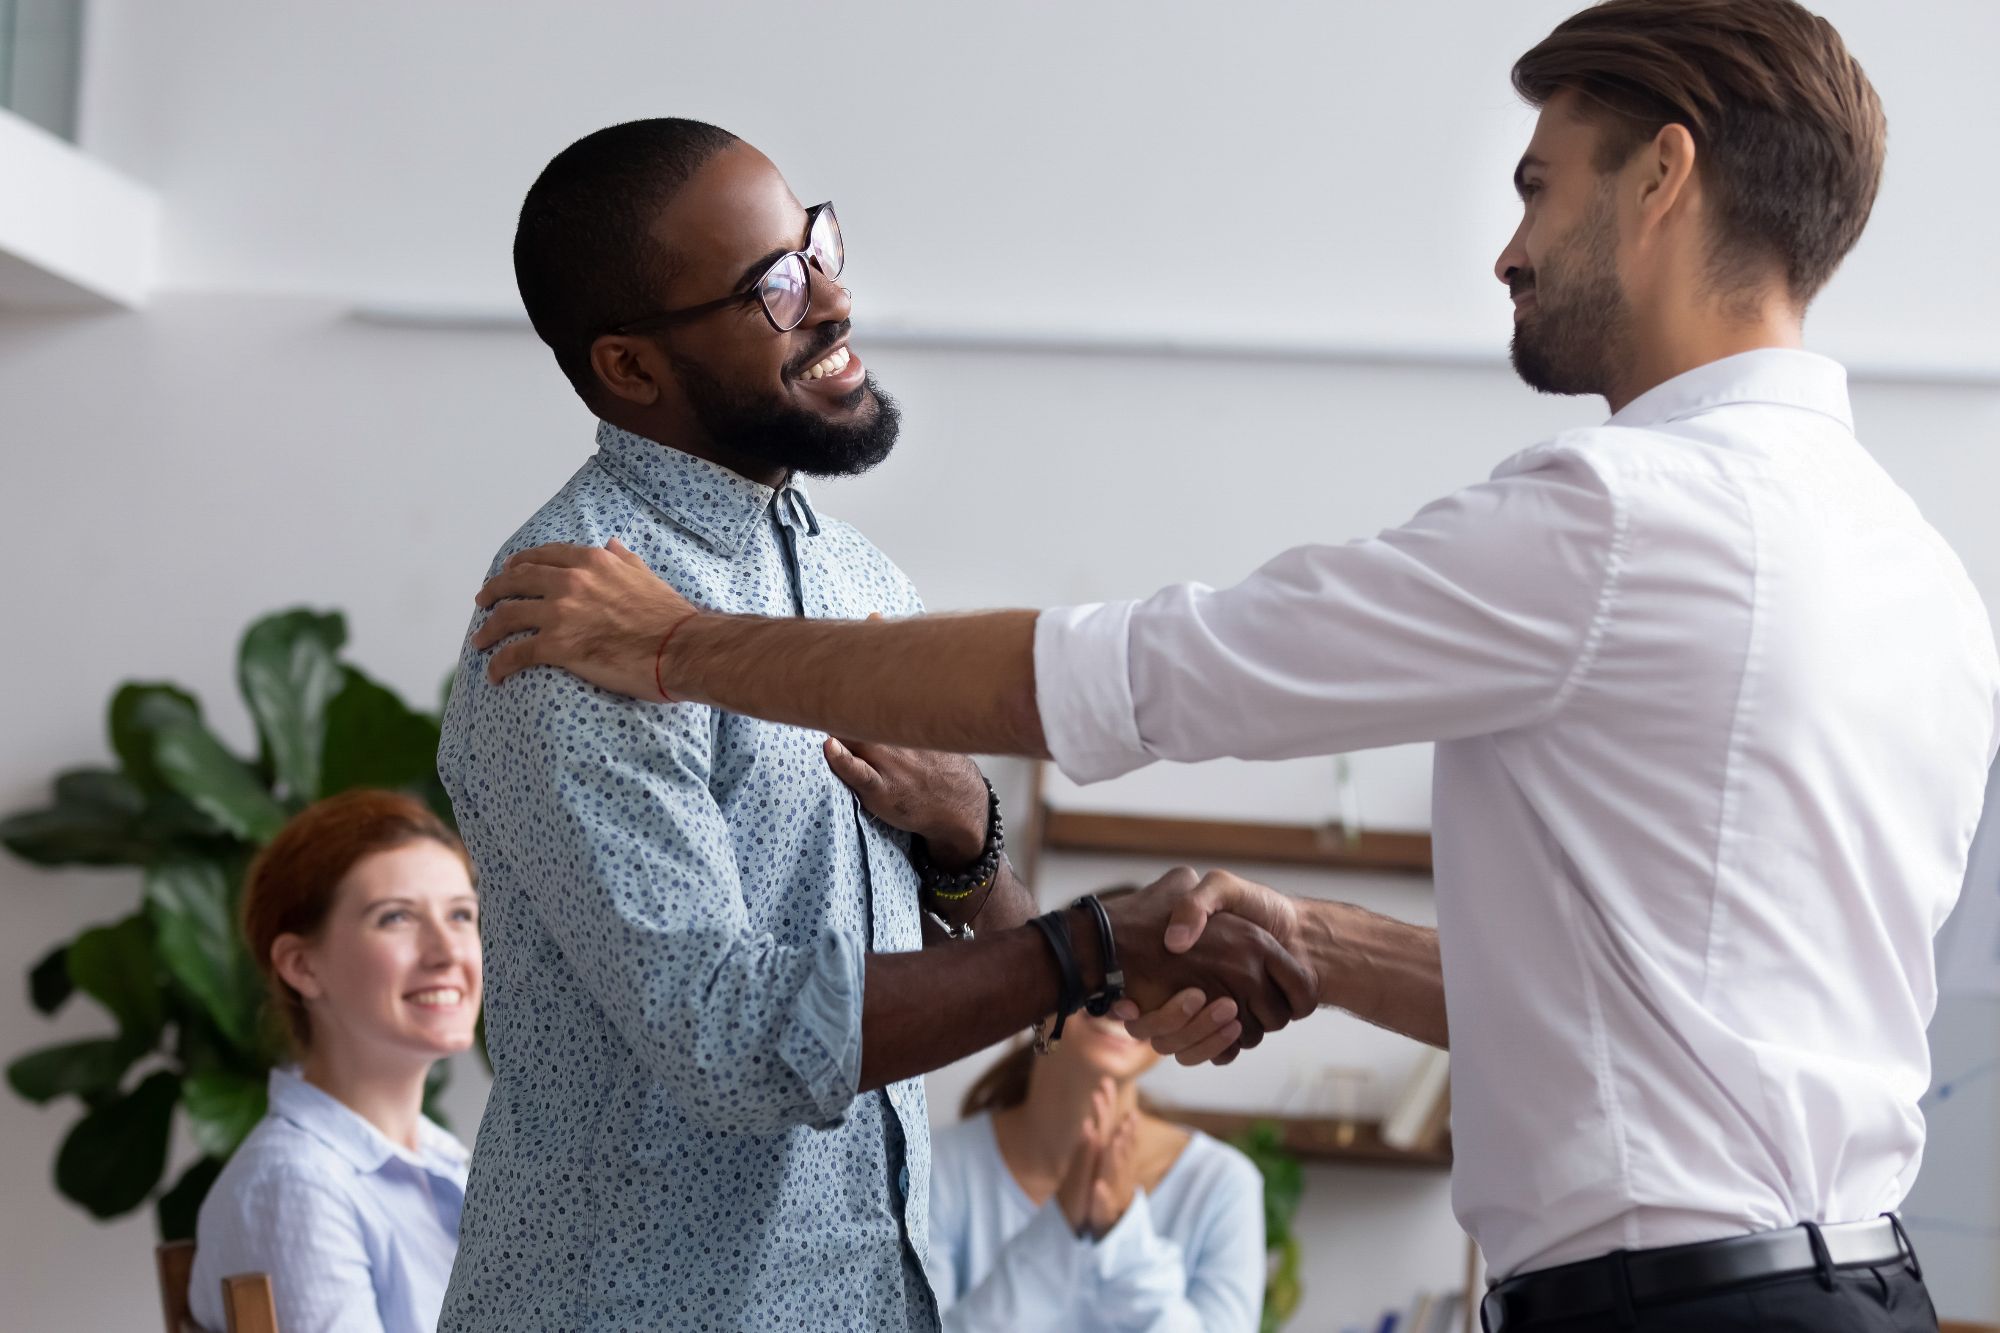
677 905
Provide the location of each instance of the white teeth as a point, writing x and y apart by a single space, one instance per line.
442 997
833 365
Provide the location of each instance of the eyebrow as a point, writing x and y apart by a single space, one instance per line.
757 267
1528 162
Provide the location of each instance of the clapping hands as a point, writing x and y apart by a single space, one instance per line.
1102 1175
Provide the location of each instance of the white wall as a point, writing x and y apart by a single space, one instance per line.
243 446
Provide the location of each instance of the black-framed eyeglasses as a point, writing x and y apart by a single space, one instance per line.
785 288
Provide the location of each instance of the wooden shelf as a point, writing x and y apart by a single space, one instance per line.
1317 1140
1210 843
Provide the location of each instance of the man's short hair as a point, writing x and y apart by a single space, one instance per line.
585 258
1788 132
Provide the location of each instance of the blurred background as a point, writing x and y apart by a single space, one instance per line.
1162 287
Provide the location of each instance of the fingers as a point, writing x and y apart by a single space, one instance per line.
625 553
523 581
567 555
851 768
516 656
1169 1017
507 620
1298 983
1220 1019
1190 915
1223 1043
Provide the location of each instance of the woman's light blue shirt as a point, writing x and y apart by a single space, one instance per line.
356 1232
1188 1257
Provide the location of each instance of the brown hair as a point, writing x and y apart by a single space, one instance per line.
291 885
1788 132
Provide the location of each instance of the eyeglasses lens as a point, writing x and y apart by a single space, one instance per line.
785 293
825 244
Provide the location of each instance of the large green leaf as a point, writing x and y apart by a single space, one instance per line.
48 981
113 1157
178 1208
138 710
116 966
288 670
194 918
94 821
197 765
374 739
79 1068
222 1109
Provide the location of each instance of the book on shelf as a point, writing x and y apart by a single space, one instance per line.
1417 1106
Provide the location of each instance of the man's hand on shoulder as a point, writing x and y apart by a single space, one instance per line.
597 611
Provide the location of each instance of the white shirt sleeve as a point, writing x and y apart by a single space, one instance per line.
1477 615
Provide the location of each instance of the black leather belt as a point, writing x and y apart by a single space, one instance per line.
1656 1277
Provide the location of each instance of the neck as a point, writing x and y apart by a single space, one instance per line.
391 1098
1680 340
1051 1117
690 439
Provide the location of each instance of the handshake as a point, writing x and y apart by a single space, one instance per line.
1212 963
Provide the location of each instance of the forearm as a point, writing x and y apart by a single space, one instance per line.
925 1009
974 692
1377 968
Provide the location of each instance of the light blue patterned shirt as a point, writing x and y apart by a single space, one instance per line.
356 1233
676 905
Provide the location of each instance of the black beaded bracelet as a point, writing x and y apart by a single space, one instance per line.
952 886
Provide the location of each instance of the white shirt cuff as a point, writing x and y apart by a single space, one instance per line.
1083 687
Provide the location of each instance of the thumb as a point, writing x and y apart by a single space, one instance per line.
1190 915
848 766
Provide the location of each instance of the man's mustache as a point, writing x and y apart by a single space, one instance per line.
829 335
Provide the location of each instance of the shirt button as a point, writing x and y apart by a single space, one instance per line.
902 1180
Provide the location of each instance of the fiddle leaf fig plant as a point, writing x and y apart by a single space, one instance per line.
189 1032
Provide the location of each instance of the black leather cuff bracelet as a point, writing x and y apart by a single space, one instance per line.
1069 993
1114 976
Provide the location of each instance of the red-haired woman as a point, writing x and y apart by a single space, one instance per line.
362 915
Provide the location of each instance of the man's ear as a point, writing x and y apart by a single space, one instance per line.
629 368
291 960
1668 176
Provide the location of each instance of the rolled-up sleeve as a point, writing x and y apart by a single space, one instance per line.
1478 614
598 810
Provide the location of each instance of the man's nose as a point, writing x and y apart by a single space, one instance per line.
831 302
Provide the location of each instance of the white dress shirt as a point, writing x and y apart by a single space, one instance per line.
1713 708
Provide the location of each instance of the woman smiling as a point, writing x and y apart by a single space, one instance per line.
362 915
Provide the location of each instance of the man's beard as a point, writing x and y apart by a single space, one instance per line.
1576 336
764 428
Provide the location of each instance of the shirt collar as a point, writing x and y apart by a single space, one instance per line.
1781 375
352 1138
720 507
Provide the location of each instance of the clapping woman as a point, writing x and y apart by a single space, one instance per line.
1060 1202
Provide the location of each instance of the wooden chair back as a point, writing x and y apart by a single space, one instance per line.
246 1298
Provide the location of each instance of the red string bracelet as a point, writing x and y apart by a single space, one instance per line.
660 656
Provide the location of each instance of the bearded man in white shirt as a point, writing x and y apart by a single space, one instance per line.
1713 708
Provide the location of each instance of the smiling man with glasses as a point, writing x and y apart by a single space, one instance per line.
707 1003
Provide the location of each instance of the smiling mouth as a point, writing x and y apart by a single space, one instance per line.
831 364
437 997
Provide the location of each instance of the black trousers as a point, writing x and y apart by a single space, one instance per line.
1890 1299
